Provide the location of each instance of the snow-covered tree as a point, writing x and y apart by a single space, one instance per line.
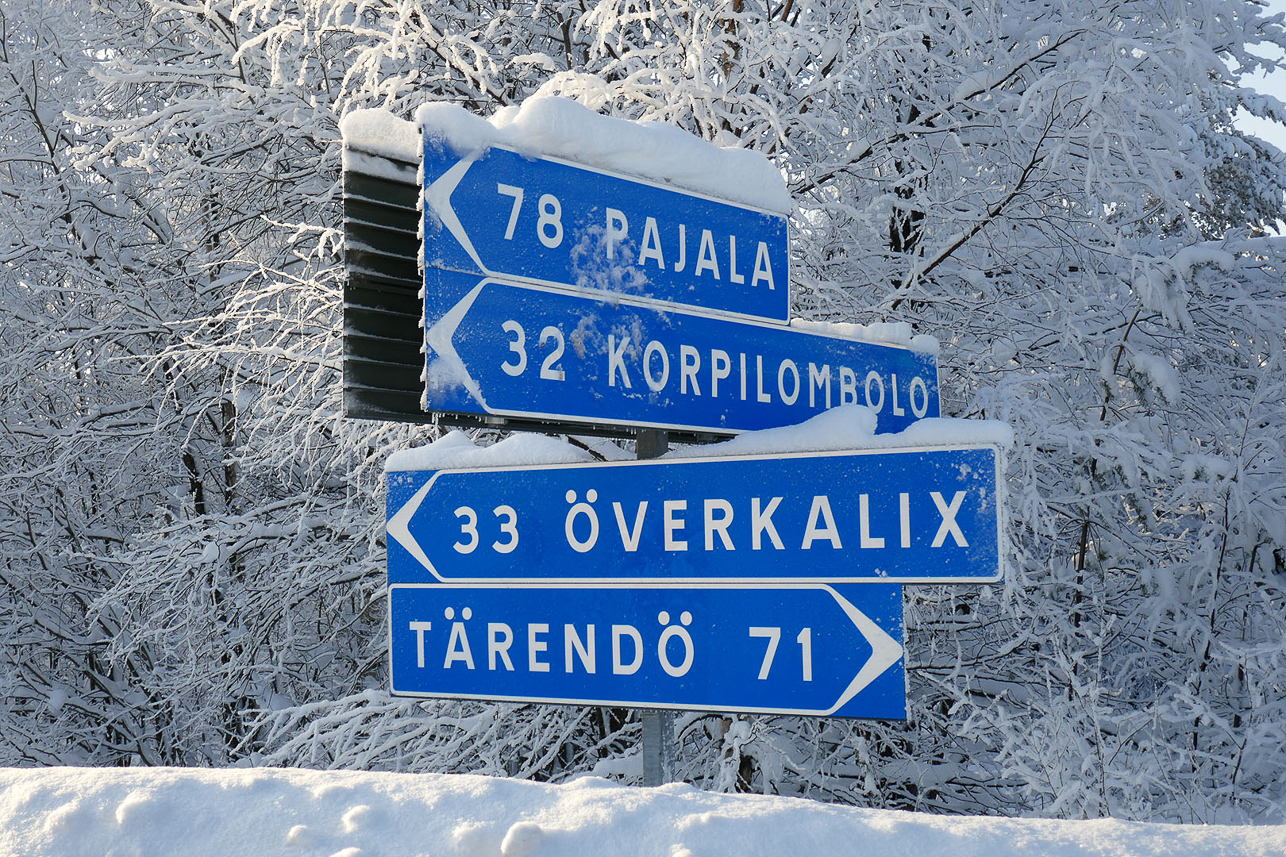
192 536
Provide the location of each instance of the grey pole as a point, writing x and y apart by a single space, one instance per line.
658 725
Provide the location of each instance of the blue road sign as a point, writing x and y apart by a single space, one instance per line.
526 351
505 215
787 649
927 515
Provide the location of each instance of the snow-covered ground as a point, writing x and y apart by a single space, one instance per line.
66 812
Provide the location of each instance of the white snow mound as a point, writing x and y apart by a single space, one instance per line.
548 126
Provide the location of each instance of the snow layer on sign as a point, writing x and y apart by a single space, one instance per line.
380 132
843 428
561 128
853 427
949 431
53 812
456 452
892 333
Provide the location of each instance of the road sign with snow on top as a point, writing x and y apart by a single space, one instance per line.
502 214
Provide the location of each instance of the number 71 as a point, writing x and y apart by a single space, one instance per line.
773 635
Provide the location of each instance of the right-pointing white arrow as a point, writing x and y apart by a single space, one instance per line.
885 651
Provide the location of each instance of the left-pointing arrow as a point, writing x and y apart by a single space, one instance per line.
399 525
438 197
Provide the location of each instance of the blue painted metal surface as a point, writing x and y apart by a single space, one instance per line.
909 516
505 215
804 649
524 351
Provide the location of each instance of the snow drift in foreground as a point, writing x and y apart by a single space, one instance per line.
559 127
158 811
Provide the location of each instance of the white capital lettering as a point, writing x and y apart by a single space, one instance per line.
763 268
720 368
718 525
499 638
651 248
819 379
705 256
923 408
949 524
898 410
535 647
585 650
619 668
759 380
616 360
864 521
458 647
877 404
654 384
630 539
419 628
761 522
689 366
847 386
781 381
673 525
821 508
617 229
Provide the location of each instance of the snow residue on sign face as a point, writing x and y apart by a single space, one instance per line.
457 451
561 128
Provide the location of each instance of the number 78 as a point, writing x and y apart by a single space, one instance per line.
549 225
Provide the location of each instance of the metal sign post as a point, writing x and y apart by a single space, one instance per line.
658 725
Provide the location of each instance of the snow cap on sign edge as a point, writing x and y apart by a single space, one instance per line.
848 427
559 127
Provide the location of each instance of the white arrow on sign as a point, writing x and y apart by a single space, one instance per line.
438 197
399 526
885 652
